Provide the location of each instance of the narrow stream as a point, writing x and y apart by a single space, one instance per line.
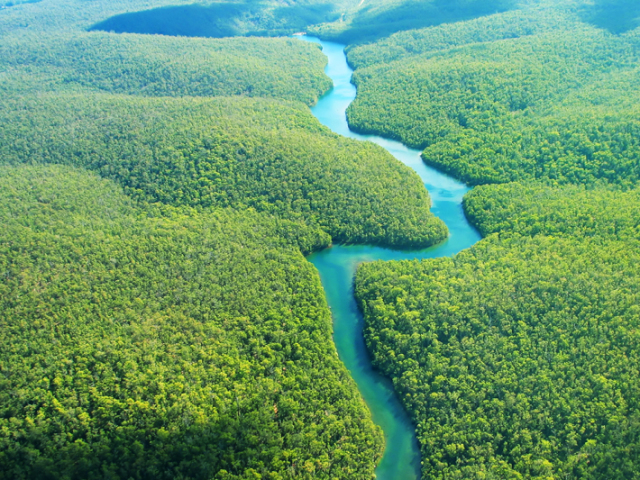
337 266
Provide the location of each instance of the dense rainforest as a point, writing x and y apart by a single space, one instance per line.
158 193
164 342
553 98
517 358
268 155
165 66
570 210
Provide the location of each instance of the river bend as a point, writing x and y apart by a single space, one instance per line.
337 266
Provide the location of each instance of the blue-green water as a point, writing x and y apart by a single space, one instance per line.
337 266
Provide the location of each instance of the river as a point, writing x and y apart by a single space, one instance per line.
337 266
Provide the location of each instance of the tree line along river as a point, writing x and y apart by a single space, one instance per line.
337 266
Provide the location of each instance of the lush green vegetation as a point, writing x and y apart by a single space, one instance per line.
168 66
157 195
517 359
271 156
268 155
570 210
505 108
509 25
158 319
164 343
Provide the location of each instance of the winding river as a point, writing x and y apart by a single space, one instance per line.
337 266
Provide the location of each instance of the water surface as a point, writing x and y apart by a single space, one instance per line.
337 266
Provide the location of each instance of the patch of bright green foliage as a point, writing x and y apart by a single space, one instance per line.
569 210
168 66
227 152
164 343
517 358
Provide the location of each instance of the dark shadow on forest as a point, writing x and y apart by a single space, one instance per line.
219 20
617 16
13 3
371 24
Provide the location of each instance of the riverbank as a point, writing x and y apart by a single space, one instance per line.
337 266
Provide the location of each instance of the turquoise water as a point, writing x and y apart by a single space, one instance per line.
337 266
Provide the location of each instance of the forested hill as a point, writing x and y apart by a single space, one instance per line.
374 19
518 358
512 96
267 155
165 66
277 159
570 210
157 194
164 343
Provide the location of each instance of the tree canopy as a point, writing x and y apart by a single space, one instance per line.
272 156
517 358
164 342
507 98
157 195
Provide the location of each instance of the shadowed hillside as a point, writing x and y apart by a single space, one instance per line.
617 16
220 19
382 18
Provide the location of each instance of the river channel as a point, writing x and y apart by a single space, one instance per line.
337 266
